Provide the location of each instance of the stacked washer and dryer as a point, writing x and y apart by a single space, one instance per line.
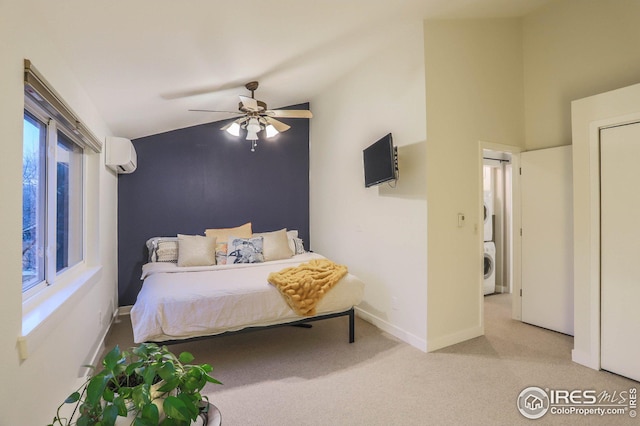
489 286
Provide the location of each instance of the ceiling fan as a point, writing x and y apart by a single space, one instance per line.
256 117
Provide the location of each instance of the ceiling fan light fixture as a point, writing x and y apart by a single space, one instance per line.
271 131
234 129
253 127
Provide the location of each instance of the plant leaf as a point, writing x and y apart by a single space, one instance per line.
141 395
109 415
74 397
149 374
212 380
120 404
174 422
170 385
167 371
95 388
108 394
190 404
175 408
150 412
138 421
132 367
84 421
186 357
112 358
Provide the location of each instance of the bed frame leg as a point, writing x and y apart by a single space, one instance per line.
352 327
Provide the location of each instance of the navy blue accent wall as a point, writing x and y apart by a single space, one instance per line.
196 178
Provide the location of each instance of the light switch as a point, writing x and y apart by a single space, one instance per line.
460 220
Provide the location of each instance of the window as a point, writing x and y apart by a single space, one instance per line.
52 224
33 197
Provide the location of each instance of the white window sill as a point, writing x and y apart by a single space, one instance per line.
44 311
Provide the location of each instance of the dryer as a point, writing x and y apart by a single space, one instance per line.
489 267
488 216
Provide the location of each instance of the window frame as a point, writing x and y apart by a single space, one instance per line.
53 127
41 221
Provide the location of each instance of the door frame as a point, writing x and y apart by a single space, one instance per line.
516 306
589 116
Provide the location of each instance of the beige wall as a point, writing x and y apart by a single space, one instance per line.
508 82
51 371
379 232
474 93
588 116
574 49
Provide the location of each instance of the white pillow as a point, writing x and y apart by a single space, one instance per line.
196 250
167 251
152 246
276 245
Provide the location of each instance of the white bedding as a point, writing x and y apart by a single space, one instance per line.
183 302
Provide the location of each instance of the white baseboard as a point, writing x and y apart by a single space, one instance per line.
94 358
585 359
452 339
124 310
383 325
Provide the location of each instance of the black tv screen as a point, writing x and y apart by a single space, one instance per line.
379 162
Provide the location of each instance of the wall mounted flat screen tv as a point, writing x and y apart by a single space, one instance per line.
380 162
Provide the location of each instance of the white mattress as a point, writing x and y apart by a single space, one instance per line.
183 302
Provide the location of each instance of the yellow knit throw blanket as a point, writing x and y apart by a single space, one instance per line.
303 286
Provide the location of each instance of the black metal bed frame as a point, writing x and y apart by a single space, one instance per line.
304 322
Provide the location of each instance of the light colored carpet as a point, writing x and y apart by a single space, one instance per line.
308 377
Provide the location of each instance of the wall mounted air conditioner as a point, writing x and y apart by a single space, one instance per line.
120 155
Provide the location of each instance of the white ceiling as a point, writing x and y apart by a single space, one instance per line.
144 63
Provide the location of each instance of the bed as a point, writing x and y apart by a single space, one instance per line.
178 303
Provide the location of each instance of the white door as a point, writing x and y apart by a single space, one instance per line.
620 250
547 238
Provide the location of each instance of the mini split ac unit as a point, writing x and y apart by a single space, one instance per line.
120 155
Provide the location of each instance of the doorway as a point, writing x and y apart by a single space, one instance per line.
498 223
499 189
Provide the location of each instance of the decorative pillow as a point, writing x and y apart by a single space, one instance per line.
222 234
152 246
295 244
221 253
167 251
275 245
299 245
196 250
245 250
291 234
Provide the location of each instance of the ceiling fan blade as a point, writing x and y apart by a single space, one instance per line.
289 113
211 110
279 125
249 103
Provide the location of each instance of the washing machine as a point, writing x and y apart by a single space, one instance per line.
488 216
489 267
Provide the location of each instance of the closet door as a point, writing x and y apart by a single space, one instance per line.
546 188
620 250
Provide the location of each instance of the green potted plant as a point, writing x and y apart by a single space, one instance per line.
147 386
